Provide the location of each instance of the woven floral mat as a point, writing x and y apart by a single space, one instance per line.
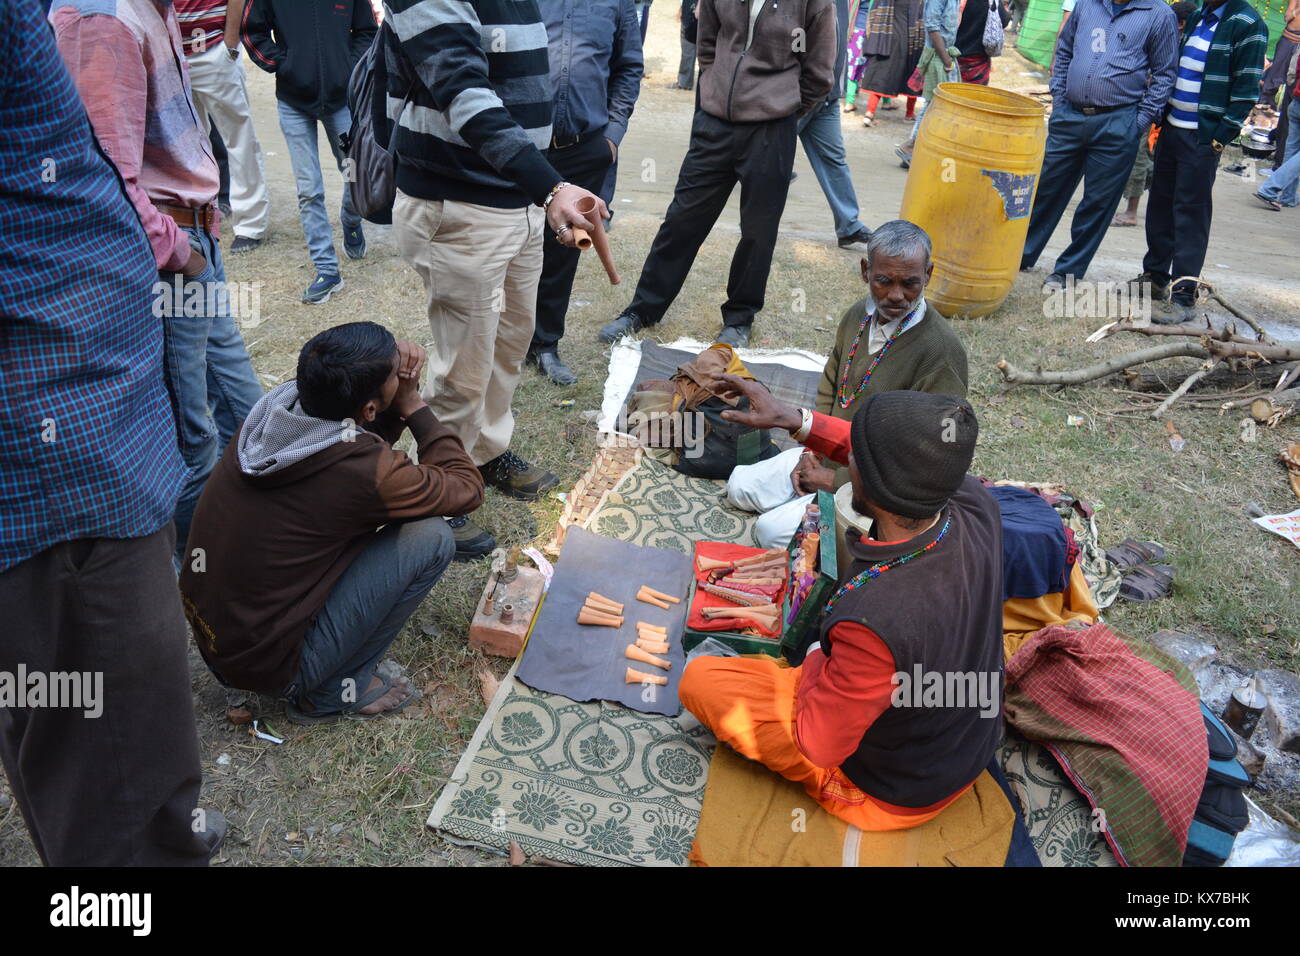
1060 821
596 784
656 506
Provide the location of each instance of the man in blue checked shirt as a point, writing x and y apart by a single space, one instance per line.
1220 69
91 475
1114 71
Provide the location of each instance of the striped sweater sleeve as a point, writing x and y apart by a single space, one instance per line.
1246 72
443 41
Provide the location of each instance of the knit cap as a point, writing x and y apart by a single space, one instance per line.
913 449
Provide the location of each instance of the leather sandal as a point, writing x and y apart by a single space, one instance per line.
1130 553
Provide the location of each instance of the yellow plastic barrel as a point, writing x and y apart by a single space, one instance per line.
971 186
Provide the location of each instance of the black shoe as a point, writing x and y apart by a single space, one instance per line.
737 336
1159 291
861 237
472 542
244 244
626 324
511 475
224 206
1174 313
214 831
550 364
354 242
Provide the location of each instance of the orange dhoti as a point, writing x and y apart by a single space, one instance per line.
748 703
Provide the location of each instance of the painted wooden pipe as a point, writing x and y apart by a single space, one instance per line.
760 558
586 616
587 207
766 615
637 677
645 657
739 597
660 594
761 582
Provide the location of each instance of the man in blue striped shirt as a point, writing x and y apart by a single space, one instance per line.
1114 71
1219 75
91 475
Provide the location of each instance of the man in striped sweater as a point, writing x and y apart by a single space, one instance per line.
1220 69
470 95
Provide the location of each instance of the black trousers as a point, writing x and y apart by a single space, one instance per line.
583 165
1180 208
759 156
120 788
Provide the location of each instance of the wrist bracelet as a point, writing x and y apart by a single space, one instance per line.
546 203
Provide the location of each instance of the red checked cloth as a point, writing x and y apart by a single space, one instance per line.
1129 737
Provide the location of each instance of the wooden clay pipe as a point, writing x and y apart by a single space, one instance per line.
594 598
586 616
654 647
587 207
739 597
637 654
660 594
650 599
643 626
637 677
712 564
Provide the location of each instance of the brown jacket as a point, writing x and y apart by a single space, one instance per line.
787 68
274 545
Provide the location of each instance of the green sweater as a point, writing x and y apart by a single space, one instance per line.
1234 67
928 357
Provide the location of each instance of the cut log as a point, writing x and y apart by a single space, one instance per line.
1272 409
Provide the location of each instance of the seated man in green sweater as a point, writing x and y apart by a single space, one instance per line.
890 340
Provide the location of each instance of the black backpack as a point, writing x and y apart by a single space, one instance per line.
372 166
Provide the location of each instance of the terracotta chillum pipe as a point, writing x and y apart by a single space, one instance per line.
587 207
637 677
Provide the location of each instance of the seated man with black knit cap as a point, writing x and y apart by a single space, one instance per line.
919 604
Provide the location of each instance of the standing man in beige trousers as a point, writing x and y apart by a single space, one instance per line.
210 38
474 192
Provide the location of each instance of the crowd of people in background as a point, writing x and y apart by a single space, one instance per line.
168 449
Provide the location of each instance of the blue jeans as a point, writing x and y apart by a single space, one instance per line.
1099 149
301 137
209 375
365 611
823 142
1282 183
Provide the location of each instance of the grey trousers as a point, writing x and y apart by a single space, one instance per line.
686 67
120 788
365 612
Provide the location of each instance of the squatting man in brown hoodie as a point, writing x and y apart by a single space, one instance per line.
315 539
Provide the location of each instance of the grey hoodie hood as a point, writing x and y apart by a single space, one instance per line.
278 433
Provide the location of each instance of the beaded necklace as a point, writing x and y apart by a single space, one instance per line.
876 570
845 399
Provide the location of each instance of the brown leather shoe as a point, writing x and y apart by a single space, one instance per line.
512 475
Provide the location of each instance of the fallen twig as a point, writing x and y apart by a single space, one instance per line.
1181 390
